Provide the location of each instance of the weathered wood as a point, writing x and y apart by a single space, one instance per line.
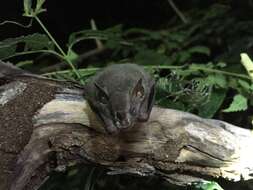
47 125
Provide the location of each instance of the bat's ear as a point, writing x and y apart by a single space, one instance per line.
147 105
151 97
102 93
138 90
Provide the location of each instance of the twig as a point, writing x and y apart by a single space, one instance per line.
17 23
178 12
98 42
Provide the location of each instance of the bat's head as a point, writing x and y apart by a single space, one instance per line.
120 110
122 101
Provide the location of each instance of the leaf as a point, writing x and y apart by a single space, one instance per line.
113 34
166 88
239 103
34 42
29 11
196 93
213 104
24 63
86 35
247 63
27 7
200 49
39 8
162 84
221 64
72 55
216 10
251 87
183 56
206 185
217 79
150 57
177 36
167 103
244 84
154 35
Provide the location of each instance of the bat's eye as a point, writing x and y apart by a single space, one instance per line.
138 90
139 94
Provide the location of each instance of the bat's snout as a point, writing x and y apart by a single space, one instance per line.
123 119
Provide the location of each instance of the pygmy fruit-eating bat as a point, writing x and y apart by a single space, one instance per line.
121 95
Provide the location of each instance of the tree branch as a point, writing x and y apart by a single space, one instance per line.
44 121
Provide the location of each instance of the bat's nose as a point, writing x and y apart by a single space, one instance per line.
124 119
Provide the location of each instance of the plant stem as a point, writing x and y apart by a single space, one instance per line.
178 12
50 36
222 72
163 67
66 71
32 52
59 48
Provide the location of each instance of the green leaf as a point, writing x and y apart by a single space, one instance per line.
244 84
217 79
86 35
27 7
196 93
207 185
213 104
167 103
216 10
239 103
39 5
166 91
113 33
247 63
221 64
145 34
200 49
29 11
24 63
150 57
183 56
72 55
34 42
251 87
177 36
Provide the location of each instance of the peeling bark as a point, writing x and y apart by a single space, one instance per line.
46 126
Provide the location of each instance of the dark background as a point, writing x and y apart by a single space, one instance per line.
64 17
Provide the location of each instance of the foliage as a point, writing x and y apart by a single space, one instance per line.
206 185
239 103
24 45
91 178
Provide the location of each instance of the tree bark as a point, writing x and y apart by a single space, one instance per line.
46 125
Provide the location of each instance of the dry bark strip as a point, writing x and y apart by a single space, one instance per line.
46 125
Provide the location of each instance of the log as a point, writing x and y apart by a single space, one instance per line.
46 125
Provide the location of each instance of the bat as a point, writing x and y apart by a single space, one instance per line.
121 95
